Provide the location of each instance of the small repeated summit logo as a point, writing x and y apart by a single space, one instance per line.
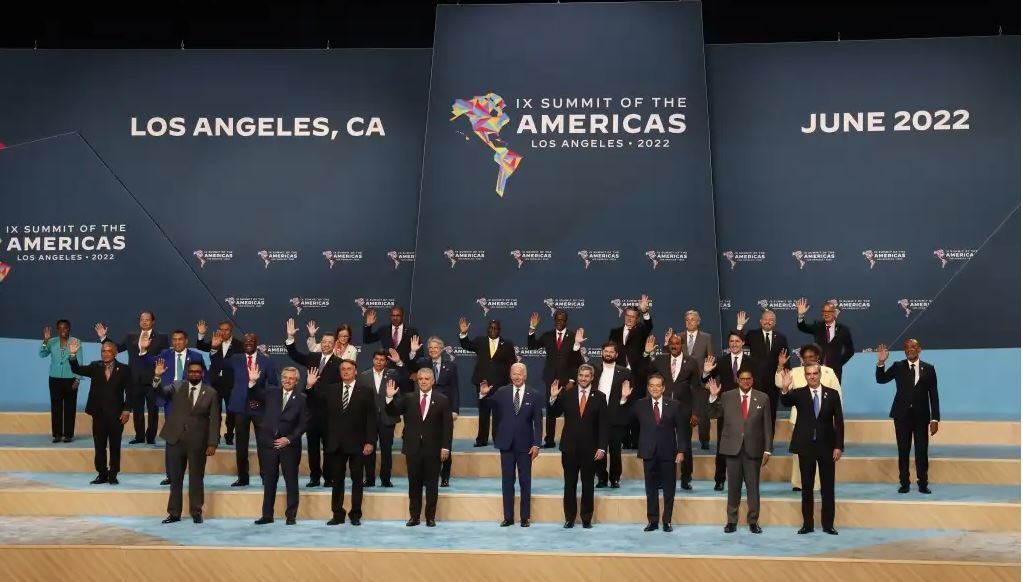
658 257
736 257
486 304
911 305
521 257
269 256
455 256
208 256
621 304
272 349
725 304
804 257
334 257
555 304
947 255
874 257
399 257
588 256
365 304
777 304
300 303
236 303
849 304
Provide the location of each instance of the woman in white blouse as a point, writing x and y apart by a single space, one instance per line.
342 346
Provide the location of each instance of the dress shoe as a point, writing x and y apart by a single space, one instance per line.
152 442
507 523
719 487
805 530
171 519
601 484
650 527
705 447
328 484
68 439
240 483
904 489
548 445
290 521
925 490
831 530
479 444
136 441
165 482
729 528
569 524
112 479
430 523
99 480
755 528
355 521
587 525
687 485
667 527
367 484
313 483
264 520
412 523
56 439
444 483
797 488
336 520
196 519
388 483
524 523
615 485
229 440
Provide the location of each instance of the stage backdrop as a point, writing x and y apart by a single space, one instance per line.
882 176
566 166
254 186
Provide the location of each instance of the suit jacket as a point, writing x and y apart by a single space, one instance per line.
631 352
829 426
754 434
289 421
618 415
561 364
367 381
382 333
168 357
517 432
446 383
351 428
141 368
106 397
423 436
245 400
689 378
582 435
222 378
496 370
329 375
767 359
922 397
836 352
723 370
703 345
661 441
196 426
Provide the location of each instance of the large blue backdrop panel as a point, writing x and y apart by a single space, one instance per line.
566 165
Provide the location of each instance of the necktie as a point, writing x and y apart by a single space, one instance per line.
767 338
625 335
560 338
394 338
345 397
830 333
250 361
745 406
493 347
287 397
657 413
436 370
674 368
582 404
518 400
816 411
180 368
735 367
689 344
323 362
191 395
422 407
912 370
109 370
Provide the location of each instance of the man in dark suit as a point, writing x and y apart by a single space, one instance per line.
663 443
915 409
375 381
726 369
445 375
583 439
426 442
143 399
765 345
351 434
819 439
520 411
328 370
107 405
561 358
631 339
192 431
222 378
494 358
284 421
833 337
397 335
608 380
254 373
699 345
681 379
746 443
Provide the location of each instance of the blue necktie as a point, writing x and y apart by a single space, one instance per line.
816 411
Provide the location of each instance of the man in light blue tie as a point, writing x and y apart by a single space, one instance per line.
175 364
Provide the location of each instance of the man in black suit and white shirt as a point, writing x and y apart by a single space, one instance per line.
765 345
699 345
562 358
445 374
631 340
108 405
726 369
819 439
494 358
221 377
609 378
284 421
834 338
375 380
328 370
915 409
681 379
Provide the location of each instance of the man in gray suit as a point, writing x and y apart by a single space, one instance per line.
699 345
192 431
746 443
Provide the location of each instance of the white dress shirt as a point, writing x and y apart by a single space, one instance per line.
607 378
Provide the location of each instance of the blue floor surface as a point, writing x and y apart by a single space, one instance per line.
630 488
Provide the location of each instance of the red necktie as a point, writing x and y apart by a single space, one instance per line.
559 339
250 361
582 404
657 414
745 406
422 407
394 338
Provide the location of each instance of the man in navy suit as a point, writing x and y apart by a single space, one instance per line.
663 443
143 399
915 408
375 380
175 369
280 444
494 358
254 373
445 375
520 411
